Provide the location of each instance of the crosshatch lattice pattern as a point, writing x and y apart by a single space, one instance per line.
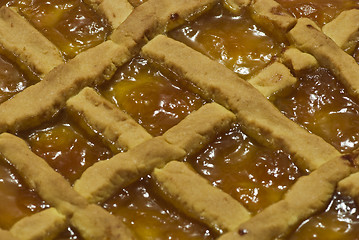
70 83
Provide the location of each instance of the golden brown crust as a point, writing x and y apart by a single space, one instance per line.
308 38
50 185
195 196
272 16
102 179
154 16
6 235
308 195
106 119
260 118
344 30
297 60
38 103
116 11
20 37
236 5
272 79
43 225
95 223
198 128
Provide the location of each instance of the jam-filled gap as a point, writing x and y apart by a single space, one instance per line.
66 146
254 175
17 199
234 40
339 220
71 25
152 95
321 104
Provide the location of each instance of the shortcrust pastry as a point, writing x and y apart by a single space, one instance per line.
188 119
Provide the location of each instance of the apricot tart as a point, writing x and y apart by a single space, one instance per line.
187 119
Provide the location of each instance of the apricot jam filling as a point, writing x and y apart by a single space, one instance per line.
340 220
17 200
320 11
151 217
152 95
66 147
322 105
233 40
71 25
12 79
253 174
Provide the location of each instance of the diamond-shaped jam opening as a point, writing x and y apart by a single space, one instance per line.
340 220
231 39
71 25
322 105
143 209
254 175
12 79
152 95
320 11
66 147
17 200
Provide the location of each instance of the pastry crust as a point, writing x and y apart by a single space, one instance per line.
6 235
106 119
50 185
38 103
194 195
272 16
344 30
154 16
18 36
95 223
307 37
47 223
298 60
272 79
308 195
260 118
116 11
100 181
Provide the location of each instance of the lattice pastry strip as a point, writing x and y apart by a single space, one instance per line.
21 38
40 176
200 207
116 11
308 195
260 118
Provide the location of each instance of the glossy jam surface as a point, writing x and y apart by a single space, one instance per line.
151 95
71 25
12 80
17 200
322 105
233 40
68 149
320 11
150 217
254 175
340 221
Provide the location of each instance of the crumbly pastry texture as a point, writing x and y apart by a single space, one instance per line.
140 30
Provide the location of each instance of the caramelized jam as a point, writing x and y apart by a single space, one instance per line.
320 11
17 200
233 40
254 175
150 217
152 95
12 80
319 103
71 25
339 221
68 149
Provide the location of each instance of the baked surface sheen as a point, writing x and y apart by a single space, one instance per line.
187 119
